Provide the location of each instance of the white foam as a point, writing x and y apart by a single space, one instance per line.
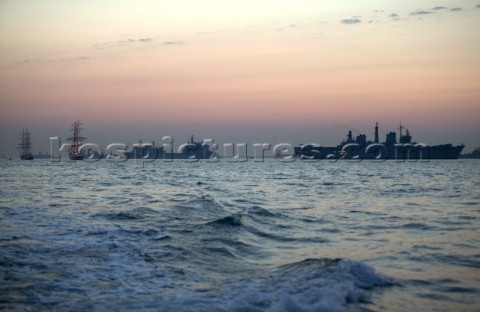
323 289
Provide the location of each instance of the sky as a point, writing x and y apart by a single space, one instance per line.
239 71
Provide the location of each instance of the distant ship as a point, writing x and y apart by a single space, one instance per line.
360 148
474 154
192 150
25 145
74 151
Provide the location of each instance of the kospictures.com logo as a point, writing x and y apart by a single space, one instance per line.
209 151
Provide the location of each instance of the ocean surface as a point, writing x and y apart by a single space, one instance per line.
251 236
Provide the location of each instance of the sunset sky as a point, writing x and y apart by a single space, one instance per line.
253 71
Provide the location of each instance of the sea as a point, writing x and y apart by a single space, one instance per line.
240 236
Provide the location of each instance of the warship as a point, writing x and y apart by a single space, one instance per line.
361 148
25 145
474 154
191 150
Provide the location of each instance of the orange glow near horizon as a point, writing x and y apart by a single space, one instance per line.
297 64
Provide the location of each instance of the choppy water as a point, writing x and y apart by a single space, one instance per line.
240 237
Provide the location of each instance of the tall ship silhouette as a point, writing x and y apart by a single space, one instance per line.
25 145
74 151
361 148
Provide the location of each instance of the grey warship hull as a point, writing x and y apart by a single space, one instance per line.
360 148
192 150
446 151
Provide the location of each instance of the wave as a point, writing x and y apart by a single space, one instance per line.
236 219
313 285
263 224
309 264
138 213
232 220
310 285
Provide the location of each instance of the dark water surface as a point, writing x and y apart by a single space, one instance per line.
247 236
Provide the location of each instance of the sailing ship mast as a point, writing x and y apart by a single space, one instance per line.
25 145
74 150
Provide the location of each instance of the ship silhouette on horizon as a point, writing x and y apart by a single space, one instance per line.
74 152
361 148
25 145
191 150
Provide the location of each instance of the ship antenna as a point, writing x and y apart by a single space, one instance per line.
401 128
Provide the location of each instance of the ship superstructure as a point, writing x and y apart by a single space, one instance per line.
361 148
190 150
